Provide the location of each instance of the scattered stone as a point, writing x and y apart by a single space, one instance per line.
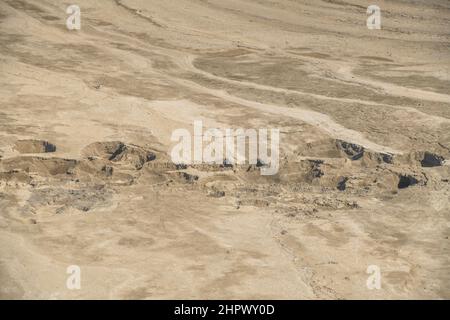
186 177
119 152
357 152
352 150
341 183
216 194
107 170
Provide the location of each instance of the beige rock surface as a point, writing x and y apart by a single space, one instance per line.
364 117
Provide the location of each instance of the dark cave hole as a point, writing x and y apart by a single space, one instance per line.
406 181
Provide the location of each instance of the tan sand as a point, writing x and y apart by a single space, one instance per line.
86 178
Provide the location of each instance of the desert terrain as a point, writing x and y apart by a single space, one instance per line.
86 177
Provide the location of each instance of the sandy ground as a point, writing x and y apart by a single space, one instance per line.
364 117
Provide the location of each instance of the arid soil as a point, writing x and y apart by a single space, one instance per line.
86 178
